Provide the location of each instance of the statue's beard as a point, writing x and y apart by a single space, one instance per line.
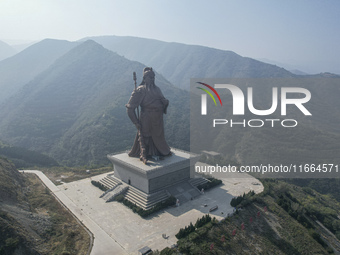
148 85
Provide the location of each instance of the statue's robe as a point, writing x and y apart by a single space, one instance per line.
152 106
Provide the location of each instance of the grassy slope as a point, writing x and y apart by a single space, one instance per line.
65 234
32 221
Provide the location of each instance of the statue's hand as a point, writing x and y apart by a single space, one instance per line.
165 104
137 126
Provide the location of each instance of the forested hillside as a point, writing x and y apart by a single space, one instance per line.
75 110
23 158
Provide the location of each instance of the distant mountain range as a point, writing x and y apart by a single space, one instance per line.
292 68
67 99
17 71
180 62
6 50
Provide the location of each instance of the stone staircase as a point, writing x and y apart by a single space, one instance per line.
134 195
198 181
109 181
143 200
184 191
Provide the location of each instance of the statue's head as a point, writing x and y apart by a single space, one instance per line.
148 71
148 76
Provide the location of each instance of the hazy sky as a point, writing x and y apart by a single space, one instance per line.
303 33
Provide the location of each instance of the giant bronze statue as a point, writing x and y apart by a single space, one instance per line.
150 140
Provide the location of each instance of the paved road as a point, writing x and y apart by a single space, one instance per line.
103 244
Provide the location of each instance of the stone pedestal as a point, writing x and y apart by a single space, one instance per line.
156 175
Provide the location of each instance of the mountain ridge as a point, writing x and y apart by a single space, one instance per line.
18 70
6 50
74 108
179 62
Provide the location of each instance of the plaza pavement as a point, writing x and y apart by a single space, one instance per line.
117 230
